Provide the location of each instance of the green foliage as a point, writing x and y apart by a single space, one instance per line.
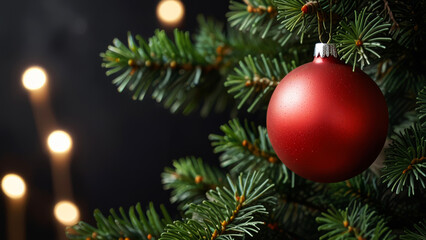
401 111
135 225
296 210
404 164
421 107
408 19
190 179
368 189
251 16
293 18
360 38
344 8
402 80
418 234
224 51
210 35
181 74
362 188
403 75
228 49
355 222
246 148
256 78
259 18
229 213
175 73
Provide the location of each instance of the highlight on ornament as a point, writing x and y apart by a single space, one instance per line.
59 141
66 213
34 78
170 12
13 186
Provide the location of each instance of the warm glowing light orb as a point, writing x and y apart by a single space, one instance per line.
66 213
59 141
170 11
13 186
34 78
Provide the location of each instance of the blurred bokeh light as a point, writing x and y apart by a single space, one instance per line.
59 141
170 12
66 213
34 78
13 186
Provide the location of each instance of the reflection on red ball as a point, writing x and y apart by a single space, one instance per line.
325 122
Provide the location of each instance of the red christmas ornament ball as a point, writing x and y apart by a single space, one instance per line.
325 122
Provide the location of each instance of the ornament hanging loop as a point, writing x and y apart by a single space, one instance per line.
321 20
331 22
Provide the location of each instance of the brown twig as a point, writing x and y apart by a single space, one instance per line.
261 83
353 230
395 23
271 10
240 200
255 150
413 162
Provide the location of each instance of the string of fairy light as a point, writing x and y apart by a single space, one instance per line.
58 144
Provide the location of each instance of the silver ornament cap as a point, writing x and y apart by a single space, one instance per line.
325 50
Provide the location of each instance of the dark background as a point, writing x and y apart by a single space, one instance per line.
120 146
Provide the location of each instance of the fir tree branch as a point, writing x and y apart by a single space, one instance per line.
212 41
174 72
229 48
407 18
259 18
367 189
401 82
297 15
313 18
360 38
228 213
134 225
256 78
296 211
403 75
362 188
247 148
296 217
421 107
355 222
401 111
225 50
419 232
181 74
190 179
405 165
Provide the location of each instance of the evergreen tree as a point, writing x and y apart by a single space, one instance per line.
255 196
